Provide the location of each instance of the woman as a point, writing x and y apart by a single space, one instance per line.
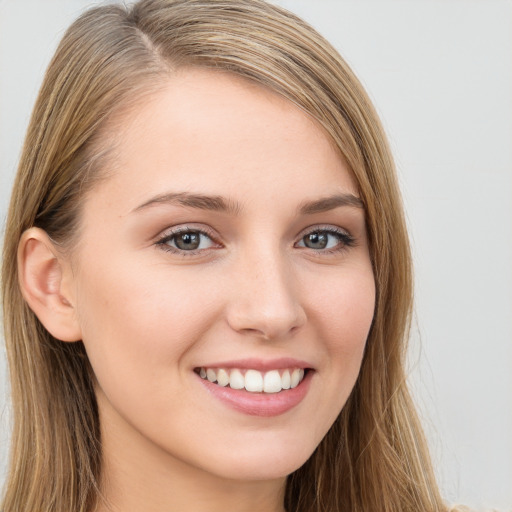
212 281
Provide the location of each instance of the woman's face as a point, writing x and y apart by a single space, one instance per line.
229 241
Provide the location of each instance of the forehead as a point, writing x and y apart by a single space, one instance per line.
220 134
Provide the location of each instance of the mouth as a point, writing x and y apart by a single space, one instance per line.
258 387
252 380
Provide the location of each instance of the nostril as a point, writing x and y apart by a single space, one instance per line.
265 323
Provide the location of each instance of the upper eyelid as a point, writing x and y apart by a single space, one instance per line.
184 228
210 232
324 227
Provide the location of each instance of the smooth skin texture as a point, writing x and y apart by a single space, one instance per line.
149 313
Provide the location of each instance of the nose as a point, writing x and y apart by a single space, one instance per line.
265 300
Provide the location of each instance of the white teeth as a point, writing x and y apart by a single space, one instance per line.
294 380
254 381
285 380
236 380
222 377
272 382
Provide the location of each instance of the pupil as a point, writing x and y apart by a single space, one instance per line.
316 240
188 241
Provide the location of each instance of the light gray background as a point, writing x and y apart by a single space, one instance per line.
440 73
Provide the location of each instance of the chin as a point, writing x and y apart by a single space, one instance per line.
263 462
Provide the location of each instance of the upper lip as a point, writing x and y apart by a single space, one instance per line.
260 364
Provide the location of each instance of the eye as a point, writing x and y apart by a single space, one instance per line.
326 239
186 240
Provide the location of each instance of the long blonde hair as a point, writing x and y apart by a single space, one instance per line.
374 458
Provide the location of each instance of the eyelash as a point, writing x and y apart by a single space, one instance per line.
345 240
165 239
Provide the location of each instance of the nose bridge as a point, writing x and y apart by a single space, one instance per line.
266 301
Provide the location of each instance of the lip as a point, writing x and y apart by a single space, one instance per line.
259 364
260 404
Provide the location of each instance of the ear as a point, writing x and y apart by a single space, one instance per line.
45 278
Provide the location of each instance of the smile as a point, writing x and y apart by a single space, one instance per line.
254 381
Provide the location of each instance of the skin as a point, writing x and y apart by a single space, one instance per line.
149 316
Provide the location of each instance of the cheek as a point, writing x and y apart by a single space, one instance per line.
343 309
343 314
136 318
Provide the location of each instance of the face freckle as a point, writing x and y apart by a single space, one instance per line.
156 310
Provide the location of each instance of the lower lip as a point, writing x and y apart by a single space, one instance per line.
260 404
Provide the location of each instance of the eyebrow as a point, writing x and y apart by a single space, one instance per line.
199 201
221 204
330 203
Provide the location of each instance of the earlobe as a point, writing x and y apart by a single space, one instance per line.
42 273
